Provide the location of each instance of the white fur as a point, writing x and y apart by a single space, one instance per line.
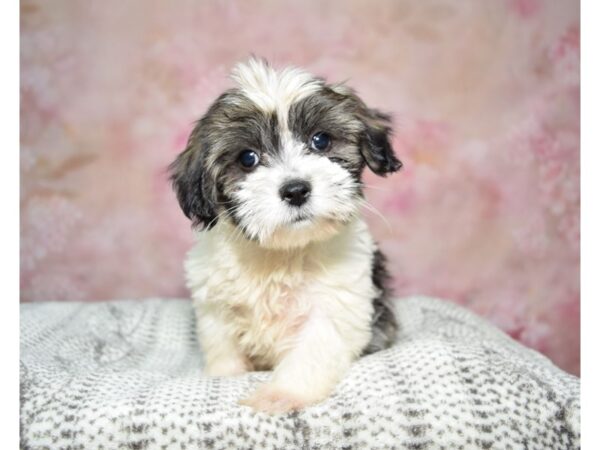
271 89
305 311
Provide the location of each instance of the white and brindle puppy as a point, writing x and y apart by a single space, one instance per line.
285 274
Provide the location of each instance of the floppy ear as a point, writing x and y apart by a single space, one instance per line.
190 182
375 144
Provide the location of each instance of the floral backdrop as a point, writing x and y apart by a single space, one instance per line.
485 100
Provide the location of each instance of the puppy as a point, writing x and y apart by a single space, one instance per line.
284 274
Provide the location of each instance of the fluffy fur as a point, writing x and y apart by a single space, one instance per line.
297 289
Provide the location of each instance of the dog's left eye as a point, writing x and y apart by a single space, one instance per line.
320 141
248 159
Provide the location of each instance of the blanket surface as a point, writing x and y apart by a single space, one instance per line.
128 375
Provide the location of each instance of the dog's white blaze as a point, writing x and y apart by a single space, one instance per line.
271 89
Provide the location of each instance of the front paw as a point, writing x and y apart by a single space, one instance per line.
273 399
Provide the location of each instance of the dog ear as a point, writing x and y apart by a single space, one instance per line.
375 144
191 184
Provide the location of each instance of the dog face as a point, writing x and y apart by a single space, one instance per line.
280 157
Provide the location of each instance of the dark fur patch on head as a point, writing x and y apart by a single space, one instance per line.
205 174
376 147
333 113
360 135
189 182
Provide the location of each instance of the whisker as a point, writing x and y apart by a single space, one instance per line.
377 188
221 215
375 211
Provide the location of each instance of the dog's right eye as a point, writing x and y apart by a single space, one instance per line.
248 159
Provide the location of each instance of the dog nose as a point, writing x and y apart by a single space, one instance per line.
295 192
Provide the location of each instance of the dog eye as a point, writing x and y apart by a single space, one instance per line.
320 141
248 159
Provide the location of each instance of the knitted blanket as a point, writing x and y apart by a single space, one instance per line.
128 375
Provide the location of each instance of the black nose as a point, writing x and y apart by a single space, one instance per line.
295 192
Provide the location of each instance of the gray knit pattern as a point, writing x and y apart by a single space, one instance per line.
128 375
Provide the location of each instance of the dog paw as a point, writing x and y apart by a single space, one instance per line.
273 400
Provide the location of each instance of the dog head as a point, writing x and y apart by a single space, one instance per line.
280 157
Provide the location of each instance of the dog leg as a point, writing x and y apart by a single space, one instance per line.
309 371
221 353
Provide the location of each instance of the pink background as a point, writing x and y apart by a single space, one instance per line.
485 98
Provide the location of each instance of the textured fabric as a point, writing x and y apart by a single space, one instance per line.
128 374
485 100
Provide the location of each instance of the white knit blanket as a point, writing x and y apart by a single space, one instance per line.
128 375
